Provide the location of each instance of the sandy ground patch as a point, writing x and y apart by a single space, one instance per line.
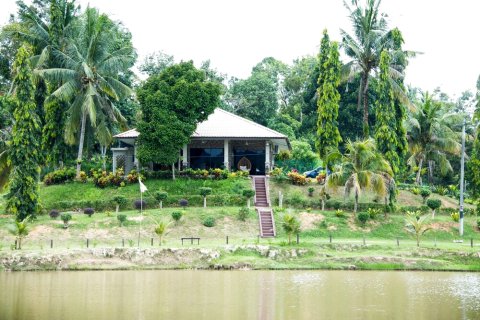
308 220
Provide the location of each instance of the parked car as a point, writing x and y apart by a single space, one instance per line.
314 173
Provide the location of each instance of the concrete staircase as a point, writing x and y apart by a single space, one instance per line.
262 205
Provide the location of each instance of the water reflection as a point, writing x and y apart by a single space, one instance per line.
239 295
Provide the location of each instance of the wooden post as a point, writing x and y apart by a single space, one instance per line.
151 242
280 199
471 242
363 239
398 242
87 242
227 239
123 242
51 243
330 238
298 238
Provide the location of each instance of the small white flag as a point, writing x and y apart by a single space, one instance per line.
143 188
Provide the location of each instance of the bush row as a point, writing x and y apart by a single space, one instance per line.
171 201
203 174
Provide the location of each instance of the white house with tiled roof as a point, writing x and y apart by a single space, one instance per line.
224 140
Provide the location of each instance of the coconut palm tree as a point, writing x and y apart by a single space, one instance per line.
362 167
431 137
291 226
370 37
91 63
19 230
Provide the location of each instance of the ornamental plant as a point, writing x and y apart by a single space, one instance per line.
204 192
121 219
434 204
160 196
363 217
120 201
54 214
425 193
177 215
89 212
297 178
209 222
248 194
66 217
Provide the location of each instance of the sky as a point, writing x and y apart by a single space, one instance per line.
237 34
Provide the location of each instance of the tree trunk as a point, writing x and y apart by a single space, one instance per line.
117 207
433 213
355 206
80 144
161 204
173 171
366 129
431 167
323 205
160 244
418 240
360 92
19 243
103 150
204 202
418 180
248 203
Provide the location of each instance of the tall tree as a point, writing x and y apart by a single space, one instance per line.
371 37
24 152
89 78
431 138
362 168
172 105
328 135
473 166
390 139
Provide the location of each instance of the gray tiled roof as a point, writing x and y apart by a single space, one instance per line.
223 124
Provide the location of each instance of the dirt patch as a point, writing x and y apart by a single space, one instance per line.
40 231
309 220
442 226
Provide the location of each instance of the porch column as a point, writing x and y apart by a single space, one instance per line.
185 156
226 152
136 163
114 161
267 157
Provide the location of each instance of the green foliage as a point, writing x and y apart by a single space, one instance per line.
177 215
328 135
248 193
291 226
434 203
120 200
24 154
172 105
297 178
391 140
19 229
59 176
121 219
161 228
416 225
478 224
455 216
415 190
243 214
205 191
209 222
339 213
362 168
160 195
363 217
373 213
425 193
66 217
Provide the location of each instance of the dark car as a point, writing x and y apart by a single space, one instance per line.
313 173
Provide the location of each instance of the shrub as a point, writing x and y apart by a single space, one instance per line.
321 178
59 176
83 176
434 204
478 224
297 178
120 201
363 217
310 191
340 213
160 196
205 191
183 203
140 204
243 214
248 193
177 215
373 213
415 190
441 190
425 193
66 217
89 211
336 205
455 216
121 218
209 222
54 214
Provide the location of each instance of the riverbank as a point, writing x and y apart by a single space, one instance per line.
246 257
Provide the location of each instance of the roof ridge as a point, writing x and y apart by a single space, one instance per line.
250 121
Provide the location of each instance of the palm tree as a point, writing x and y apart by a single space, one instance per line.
291 225
92 62
161 228
431 137
371 37
19 230
362 167
416 225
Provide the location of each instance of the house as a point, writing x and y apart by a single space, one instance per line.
224 140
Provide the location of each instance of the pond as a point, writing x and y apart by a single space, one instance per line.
191 294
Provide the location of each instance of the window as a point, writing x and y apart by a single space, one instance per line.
206 158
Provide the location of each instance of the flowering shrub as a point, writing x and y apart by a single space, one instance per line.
83 176
321 178
297 178
102 179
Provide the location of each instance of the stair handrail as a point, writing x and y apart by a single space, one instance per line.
273 223
267 190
